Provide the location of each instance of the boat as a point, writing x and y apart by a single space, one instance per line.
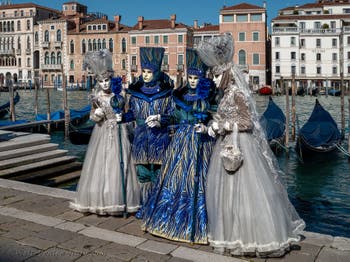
319 135
265 90
77 117
5 108
80 135
273 121
334 92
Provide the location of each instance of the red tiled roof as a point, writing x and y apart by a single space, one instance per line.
27 5
241 6
207 28
313 5
158 24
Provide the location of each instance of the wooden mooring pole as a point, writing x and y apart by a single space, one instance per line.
293 107
285 87
36 94
65 107
342 107
48 110
349 129
12 103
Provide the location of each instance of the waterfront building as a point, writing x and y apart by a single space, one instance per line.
312 43
18 60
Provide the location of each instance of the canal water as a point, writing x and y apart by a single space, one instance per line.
320 190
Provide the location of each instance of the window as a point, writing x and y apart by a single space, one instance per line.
227 18
302 43
302 25
123 64
292 41
46 36
292 55
302 56
22 13
241 36
104 44
133 40
46 78
242 57
52 27
36 37
147 41
255 36
302 70
99 45
334 57
242 18
256 59
28 24
20 76
180 59
165 39
348 69
333 24
58 35
29 76
19 43
111 45
180 39
123 45
89 45
334 42
293 69
277 41
53 58
165 59
89 27
104 27
18 25
94 27
348 40
133 60
16 13
31 12
94 45
277 69
71 64
318 57
277 55
28 42
71 47
59 58
318 43
318 70
256 17
99 27
317 25
156 39
47 59
334 70
19 62
83 46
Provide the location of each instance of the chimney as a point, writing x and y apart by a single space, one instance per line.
117 19
77 24
172 21
195 24
140 22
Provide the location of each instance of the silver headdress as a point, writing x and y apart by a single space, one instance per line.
99 63
217 52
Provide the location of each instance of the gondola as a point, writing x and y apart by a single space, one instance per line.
80 135
5 108
334 92
265 90
77 117
319 135
273 121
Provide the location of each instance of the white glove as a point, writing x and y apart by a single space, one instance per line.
228 126
200 128
215 126
119 117
153 118
211 132
99 112
153 124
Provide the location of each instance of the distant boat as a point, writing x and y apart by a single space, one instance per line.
273 121
265 90
5 108
319 135
334 92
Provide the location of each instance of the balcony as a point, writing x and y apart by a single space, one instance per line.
7 52
51 67
285 30
165 67
28 51
243 67
133 68
320 31
180 67
18 52
57 44
45 44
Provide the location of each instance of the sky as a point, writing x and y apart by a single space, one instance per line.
205 11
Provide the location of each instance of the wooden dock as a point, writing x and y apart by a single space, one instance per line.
33 158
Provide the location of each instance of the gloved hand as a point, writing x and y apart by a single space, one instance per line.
99 112
211 132
228 126
200 128
119 117
153 124
153 118
215 126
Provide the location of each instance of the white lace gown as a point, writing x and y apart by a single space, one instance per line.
249 211
100 188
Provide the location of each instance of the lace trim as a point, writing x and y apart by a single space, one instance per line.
107 210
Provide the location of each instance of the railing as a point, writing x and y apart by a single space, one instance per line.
297 30
18 51
285 30
321 31
45 44
51 66
7 52
28 51
57 44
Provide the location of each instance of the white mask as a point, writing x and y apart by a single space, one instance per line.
217 80
147 75
193 81
104 84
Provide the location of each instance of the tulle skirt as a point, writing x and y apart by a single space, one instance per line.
249 211
100 188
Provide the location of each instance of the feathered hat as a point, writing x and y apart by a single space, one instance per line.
151 58
99 63
195 66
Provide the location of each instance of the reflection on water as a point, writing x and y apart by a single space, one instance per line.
319 190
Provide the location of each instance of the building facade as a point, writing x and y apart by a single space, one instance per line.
312 43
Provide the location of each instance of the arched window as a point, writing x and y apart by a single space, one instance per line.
94 44
71 64
111 45
123 45
83 46
242 57
8 26
12 26
18 25
89 45
46 36
28 24
36 37
58 35
53 58
104 44
99 46
0 26
28 42
19 43
123 64
71 47
28 62
47 58
59 58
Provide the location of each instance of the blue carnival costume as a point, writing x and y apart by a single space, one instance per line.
176 208
150 99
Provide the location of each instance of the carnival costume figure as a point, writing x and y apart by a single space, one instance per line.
108 183
150 105
249 212
176 209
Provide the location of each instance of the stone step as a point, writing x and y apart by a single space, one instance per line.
7 173
54 181
38 175
19 161
27 151
24 141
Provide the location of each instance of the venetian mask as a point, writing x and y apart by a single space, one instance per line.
104 84
193 80
147 75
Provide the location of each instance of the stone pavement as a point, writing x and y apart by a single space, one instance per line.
36 224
